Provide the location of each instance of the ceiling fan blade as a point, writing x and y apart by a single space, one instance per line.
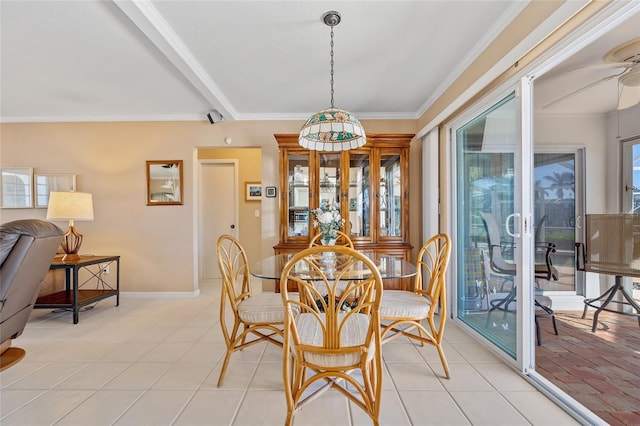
588 86
629 96
604 66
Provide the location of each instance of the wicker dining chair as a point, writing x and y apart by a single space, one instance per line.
341 240
260 316
327 337
402 312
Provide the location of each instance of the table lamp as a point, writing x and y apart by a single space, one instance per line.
70 206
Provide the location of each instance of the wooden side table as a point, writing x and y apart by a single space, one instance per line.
74 296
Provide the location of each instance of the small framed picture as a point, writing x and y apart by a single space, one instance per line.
253 191
270 192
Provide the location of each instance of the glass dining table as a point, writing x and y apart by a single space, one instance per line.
390 267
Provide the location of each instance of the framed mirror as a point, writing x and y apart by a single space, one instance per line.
57 182
164 183
15 187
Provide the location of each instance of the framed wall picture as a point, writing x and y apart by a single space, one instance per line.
164 183
15 187
56 182
253 191
270 192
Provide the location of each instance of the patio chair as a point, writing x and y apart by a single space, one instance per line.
544 270
328 337
259 317
403 312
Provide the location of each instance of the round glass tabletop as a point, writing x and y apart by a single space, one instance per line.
389 266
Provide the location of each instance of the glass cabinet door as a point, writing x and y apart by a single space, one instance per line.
390 195
329 179
298 195
359 195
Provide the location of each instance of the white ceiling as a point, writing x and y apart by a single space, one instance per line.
580 70
176 60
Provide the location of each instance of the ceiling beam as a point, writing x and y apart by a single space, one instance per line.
151 23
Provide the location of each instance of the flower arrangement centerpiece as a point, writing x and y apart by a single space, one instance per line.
328 220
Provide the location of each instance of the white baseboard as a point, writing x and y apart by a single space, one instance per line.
159 294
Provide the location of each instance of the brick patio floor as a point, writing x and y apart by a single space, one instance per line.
601 370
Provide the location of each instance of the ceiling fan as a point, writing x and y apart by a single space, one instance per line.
625 60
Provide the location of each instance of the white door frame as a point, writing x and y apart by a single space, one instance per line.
197 213
626 169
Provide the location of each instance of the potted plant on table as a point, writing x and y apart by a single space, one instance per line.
328 220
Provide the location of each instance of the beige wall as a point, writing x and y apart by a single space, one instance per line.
156 242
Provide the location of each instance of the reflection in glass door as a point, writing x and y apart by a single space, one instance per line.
359 194
486 249
329 179
390 195
298 196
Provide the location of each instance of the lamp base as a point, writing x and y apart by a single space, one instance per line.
71 244
70 256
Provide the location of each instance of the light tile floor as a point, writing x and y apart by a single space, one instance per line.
156 362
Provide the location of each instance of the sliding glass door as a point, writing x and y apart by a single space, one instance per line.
493 235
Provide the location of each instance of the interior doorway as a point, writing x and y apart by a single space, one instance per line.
218 188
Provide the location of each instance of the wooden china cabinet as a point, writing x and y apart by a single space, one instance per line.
370 184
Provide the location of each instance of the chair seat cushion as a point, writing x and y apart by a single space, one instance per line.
398 304
262 308
353 333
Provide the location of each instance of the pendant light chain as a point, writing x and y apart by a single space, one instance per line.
331 67
331 129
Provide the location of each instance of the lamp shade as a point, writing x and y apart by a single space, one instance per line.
332 129
70 206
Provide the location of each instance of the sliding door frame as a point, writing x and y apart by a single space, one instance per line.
522 218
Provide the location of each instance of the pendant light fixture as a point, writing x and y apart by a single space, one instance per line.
332 129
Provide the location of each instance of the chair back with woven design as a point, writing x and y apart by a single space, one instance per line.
256 318
403 312
341 240
234 269
332 327
431 267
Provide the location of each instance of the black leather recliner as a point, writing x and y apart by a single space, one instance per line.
27 248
